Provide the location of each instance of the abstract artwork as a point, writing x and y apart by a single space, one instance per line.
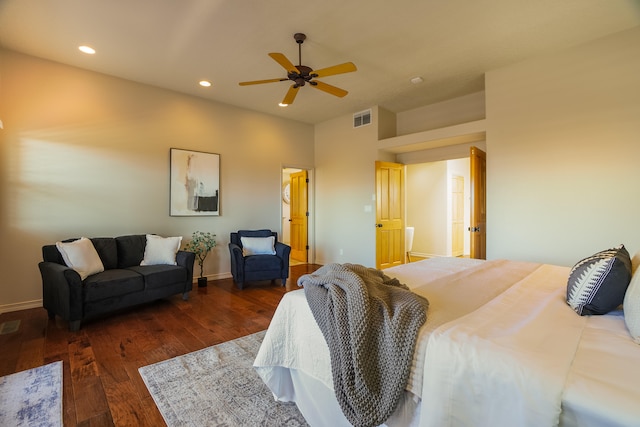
195 183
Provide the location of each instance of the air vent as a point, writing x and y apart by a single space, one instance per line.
362 118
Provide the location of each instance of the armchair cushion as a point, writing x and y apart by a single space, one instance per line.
258 245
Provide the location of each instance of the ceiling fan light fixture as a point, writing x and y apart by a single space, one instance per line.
282 104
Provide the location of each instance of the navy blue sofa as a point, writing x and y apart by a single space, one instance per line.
123 283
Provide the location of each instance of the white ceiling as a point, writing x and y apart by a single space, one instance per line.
175 43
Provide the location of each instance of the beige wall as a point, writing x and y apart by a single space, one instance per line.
447 113
345 186
563 144
427 207
84 154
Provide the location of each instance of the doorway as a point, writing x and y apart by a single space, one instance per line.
296 213
438 207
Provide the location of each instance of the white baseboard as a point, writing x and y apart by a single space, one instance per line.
218 276
25 305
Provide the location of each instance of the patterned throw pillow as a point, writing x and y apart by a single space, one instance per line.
597 284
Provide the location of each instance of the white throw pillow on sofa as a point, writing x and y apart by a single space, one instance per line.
82 256
161 250
258 245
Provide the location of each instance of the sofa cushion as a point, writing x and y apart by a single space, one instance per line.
130 249
112 283
159 276
107 250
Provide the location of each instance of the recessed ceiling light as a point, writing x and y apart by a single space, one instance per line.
205 83
87 49
283 105
417 80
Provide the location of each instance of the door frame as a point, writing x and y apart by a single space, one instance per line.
311 242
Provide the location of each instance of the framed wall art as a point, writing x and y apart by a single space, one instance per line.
195 183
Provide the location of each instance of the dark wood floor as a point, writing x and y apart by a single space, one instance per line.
102 386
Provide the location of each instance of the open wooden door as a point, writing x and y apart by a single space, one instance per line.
299 215
478 220
389 214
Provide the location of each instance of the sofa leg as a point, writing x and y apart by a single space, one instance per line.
51 314
284 282
185 296
74 325
240 285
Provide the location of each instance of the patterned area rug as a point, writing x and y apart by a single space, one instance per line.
217 386
32 397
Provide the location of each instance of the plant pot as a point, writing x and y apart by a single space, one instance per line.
202 282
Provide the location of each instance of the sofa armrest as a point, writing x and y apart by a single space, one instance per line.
186 259
61 290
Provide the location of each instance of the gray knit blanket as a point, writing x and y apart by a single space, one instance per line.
370 323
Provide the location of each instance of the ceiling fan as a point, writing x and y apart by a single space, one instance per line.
301 74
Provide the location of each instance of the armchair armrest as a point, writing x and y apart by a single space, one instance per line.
61 290
283 250
237 262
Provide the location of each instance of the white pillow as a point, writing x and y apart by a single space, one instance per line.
161 250
631 306
258 245
82 256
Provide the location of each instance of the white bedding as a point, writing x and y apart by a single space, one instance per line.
506 363
497 349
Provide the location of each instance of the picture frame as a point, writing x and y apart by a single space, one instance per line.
194 183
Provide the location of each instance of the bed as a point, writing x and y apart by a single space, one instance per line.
500 347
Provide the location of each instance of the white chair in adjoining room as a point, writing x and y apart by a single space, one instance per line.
408 240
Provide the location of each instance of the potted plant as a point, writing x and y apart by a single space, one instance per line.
201 244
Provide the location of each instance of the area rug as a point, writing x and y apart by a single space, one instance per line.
217 386
32 397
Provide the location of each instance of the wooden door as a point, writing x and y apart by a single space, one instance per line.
389 214
298 203
457 215
478 204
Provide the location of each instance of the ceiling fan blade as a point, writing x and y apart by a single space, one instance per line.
347 67
257 82
329 88
284 62
291 95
